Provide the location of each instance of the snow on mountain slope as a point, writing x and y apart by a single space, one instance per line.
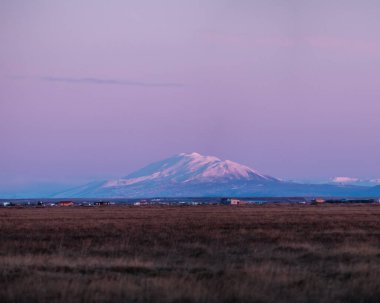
194 175
181 175
192 167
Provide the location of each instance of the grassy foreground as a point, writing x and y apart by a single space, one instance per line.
258 253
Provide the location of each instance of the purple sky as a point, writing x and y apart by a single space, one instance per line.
96 89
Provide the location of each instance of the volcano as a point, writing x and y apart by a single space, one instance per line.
196 175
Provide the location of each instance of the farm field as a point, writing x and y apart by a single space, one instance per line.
253 253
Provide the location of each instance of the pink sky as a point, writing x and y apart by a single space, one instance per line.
96 89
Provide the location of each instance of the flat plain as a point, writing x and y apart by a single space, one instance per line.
255 253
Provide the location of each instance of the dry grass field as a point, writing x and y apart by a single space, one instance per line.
258 253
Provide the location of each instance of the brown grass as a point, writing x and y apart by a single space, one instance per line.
258 253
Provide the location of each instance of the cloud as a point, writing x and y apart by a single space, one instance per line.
100 81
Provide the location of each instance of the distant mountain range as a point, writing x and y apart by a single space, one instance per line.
355 181
195 175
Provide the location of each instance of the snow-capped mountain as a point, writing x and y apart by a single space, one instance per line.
182 174
191 168
195 175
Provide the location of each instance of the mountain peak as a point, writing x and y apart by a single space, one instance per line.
182 174
191 168
193 154
198 157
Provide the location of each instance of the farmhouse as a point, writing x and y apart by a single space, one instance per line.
232 201
65 203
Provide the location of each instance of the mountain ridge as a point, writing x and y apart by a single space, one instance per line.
192 167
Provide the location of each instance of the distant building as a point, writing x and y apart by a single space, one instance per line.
65 203
232 201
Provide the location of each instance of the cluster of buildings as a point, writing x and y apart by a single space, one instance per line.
316 201
167 202
192 202
96 203
64 203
